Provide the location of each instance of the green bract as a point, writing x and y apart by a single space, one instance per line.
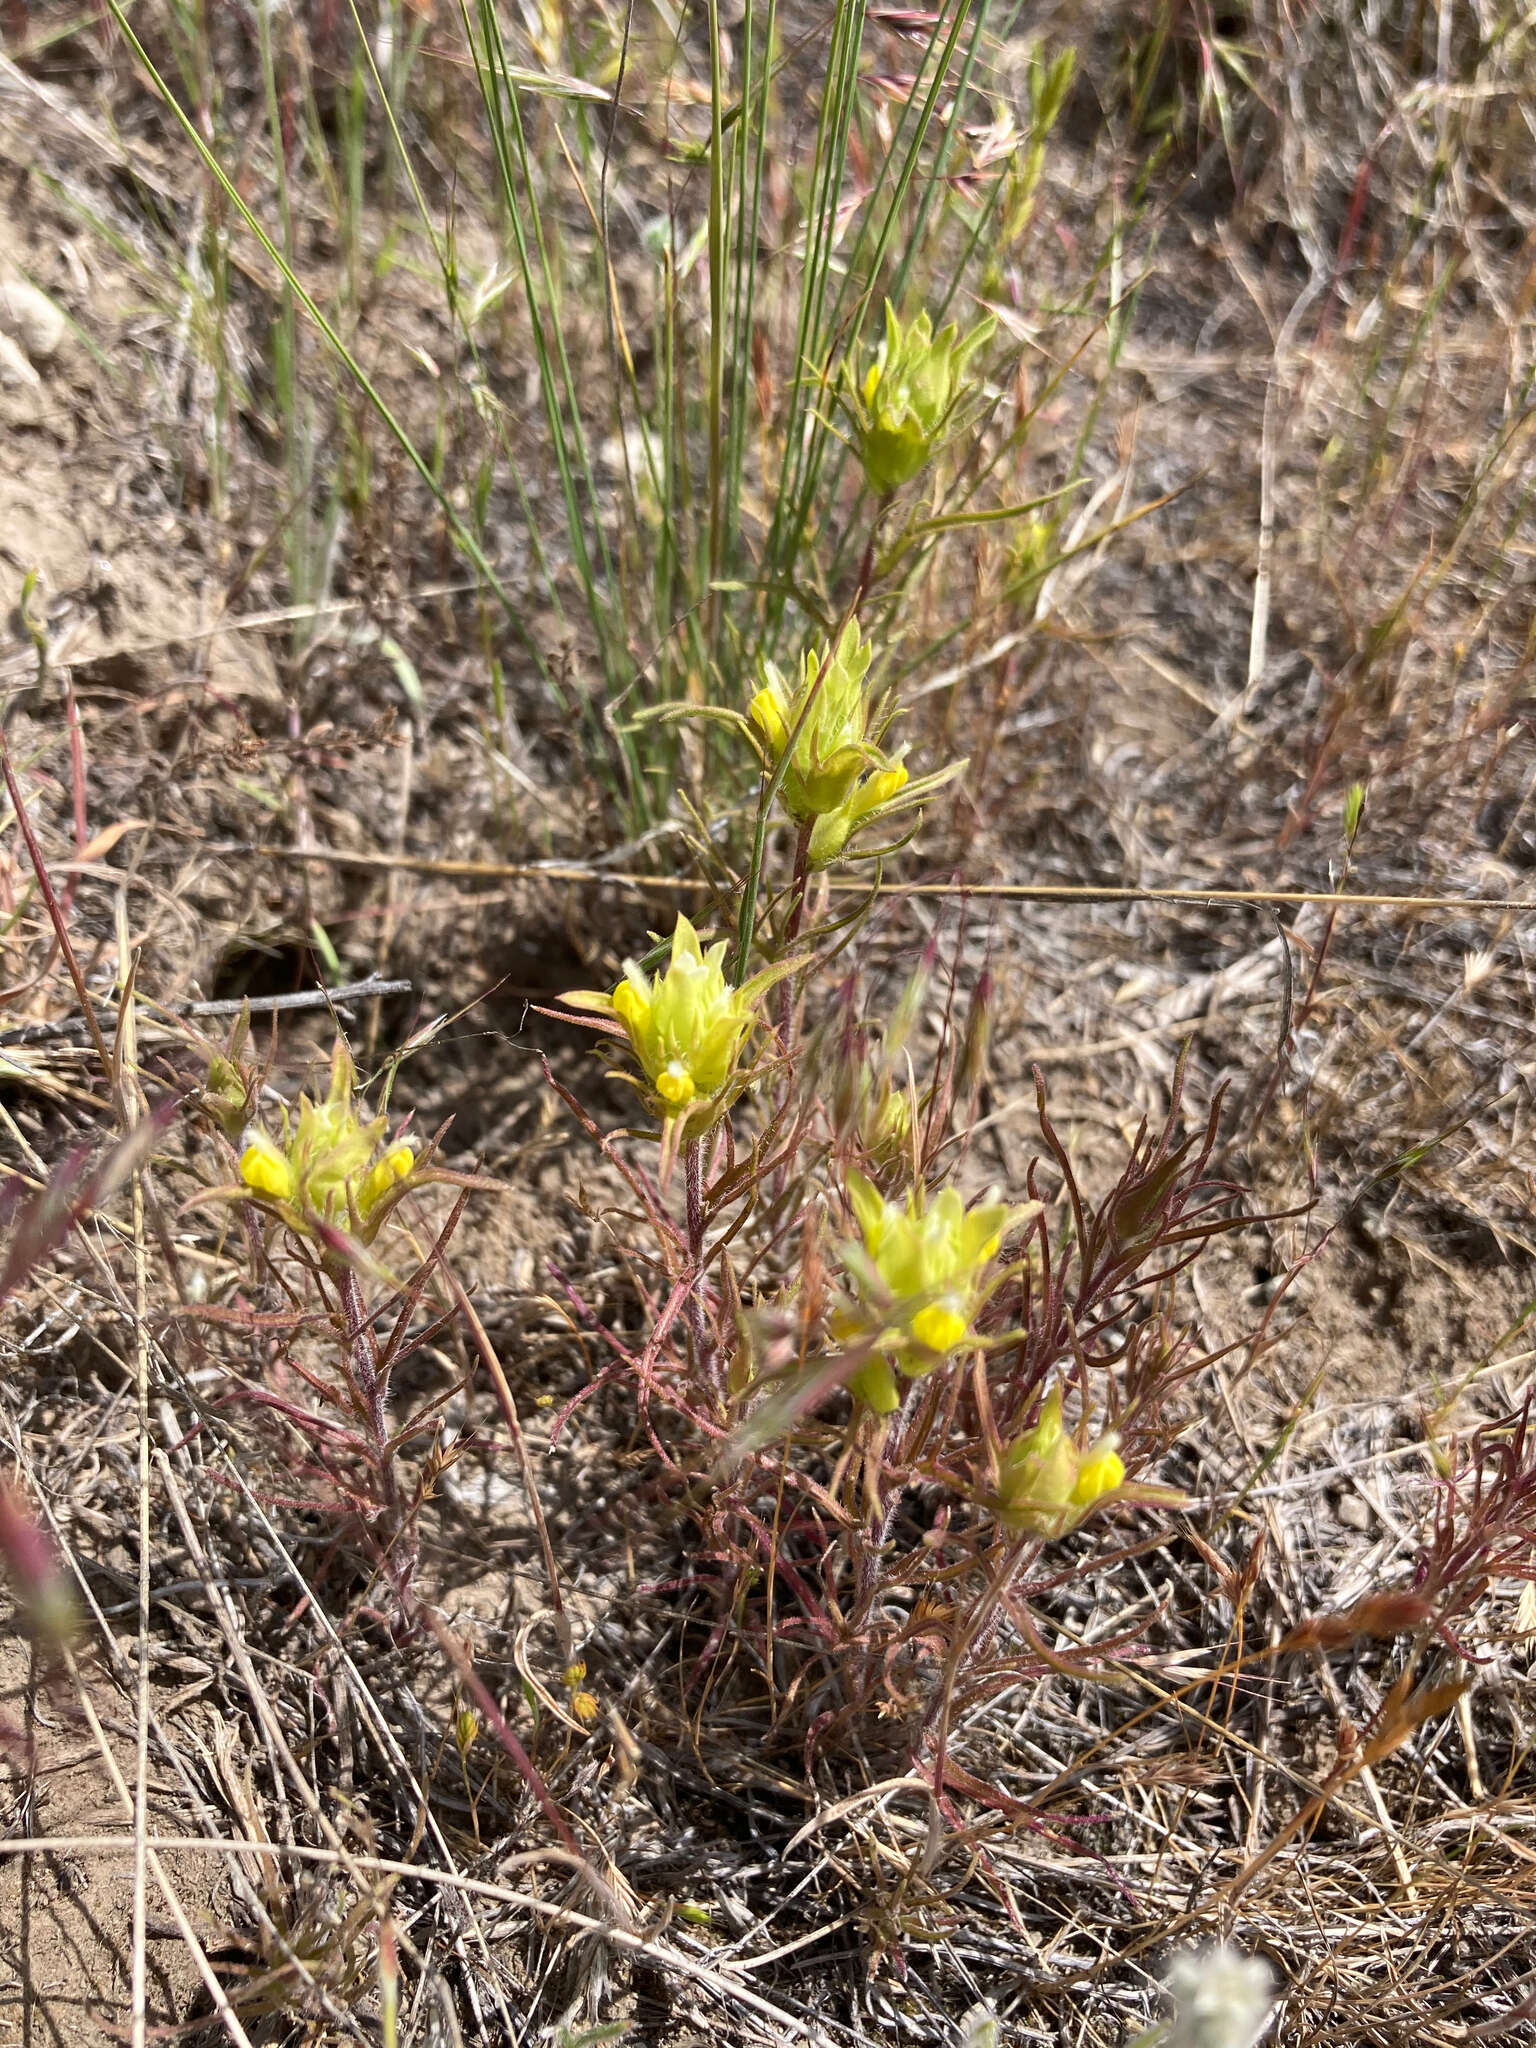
329 1164
688 1028
915 1282
905 401
1047 1482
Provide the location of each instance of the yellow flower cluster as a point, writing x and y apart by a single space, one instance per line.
836 779
329 1164
1048 1482
688 1027
906 400
917 1276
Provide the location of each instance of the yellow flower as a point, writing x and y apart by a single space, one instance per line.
385 1174
906 400
1100 1472
688 1027
1046 1483
914 1282
834 712
940 1328
870 800
325 1167
838 777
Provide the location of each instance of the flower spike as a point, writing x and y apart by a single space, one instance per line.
915 1281
689 1029
904 406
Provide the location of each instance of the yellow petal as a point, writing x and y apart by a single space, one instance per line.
939 1328
1100 1472
767 715
394 1166
630 1007
265 1170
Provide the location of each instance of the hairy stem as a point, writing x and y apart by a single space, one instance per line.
877 1530
798 888
393 1532
790 987
698 1324
975 1640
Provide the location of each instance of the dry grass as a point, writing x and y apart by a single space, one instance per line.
243 784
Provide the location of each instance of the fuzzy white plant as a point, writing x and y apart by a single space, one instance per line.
1221 1999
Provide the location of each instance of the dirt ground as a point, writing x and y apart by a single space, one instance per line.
263 814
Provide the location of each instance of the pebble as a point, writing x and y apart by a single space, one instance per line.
16 373
30 320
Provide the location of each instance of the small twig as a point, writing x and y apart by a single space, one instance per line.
1012 892
105 1017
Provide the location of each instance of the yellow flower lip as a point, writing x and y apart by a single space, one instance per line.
939 1328
390 1170
1099 1472
675 1085
264 1169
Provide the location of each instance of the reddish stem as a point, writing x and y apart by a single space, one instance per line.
398 1545
698 1324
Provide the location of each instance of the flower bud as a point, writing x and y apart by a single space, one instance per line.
226 1096
1046 1483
